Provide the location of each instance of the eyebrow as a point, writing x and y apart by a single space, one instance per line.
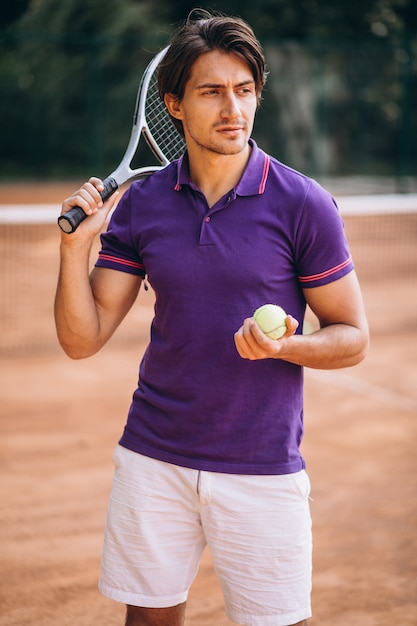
220 85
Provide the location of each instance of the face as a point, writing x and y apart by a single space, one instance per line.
219 104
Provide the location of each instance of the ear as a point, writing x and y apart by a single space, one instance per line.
173 104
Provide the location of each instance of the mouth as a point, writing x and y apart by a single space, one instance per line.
231 131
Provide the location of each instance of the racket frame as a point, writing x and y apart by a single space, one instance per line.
69 221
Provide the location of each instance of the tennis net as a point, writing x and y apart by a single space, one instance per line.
382 231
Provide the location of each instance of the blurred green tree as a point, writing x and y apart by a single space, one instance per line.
69 73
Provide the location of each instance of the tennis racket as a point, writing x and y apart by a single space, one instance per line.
150 120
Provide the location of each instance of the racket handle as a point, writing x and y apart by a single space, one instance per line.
69 221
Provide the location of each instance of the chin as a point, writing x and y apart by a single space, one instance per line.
231 148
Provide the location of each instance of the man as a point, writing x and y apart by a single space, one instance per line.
210 452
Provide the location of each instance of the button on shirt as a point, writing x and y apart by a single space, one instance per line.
198 403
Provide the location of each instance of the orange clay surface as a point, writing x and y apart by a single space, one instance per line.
60 421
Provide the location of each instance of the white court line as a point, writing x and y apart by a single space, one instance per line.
29 213
338 378
379 204
376 204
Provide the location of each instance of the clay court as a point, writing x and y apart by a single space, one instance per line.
60 421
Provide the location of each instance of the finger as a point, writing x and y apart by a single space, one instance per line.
100 214
96 182
90 191
291 324
88 198
251 340
260 344
241 343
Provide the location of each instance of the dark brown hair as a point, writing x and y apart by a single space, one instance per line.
201 33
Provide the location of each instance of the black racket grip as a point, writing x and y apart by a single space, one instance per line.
69 221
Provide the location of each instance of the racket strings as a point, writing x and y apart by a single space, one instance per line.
160 125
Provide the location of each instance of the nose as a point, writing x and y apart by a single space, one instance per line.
230 106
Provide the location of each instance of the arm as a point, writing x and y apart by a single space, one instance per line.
341 341
88 308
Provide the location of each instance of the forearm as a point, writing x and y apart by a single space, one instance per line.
332 347
76 315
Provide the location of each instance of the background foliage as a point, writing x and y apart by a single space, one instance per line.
340 98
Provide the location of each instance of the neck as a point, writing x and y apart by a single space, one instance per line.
216 174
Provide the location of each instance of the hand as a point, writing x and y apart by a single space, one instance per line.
251 343
88 198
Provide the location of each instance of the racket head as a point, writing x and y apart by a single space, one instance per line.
152 121
152 118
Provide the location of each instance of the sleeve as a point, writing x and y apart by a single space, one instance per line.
118 252
322 251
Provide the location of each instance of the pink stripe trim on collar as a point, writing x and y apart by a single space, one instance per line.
267 162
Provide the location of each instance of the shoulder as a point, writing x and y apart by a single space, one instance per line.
295 183
299 193
165 177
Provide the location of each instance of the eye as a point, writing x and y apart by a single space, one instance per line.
246 91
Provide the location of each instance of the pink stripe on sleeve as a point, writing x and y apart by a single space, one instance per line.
329 272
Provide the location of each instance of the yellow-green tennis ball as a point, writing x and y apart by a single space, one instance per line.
271 320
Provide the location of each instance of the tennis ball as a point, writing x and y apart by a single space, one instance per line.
271 320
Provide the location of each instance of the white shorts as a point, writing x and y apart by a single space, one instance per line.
258 530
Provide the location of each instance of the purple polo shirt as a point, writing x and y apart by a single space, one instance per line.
198 404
